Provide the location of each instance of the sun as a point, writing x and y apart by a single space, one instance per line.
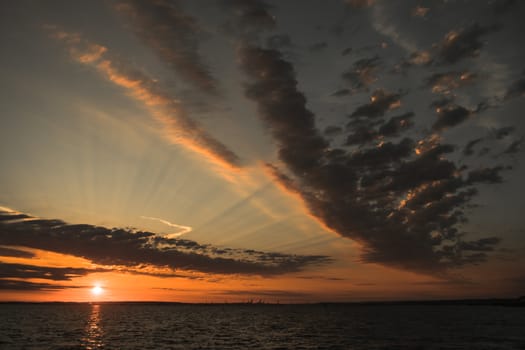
97 290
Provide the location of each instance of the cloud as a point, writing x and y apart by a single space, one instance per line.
449 116
15 253
31 286
514 147
402 201
420 11
381 102
361 136
24 271
445 83
362 73
482 245
275 90
173 36
165 108
346 51
463 43
341 93
486 175
442 102
250 18
469 147
503 132
456 45
116 246
396 125
516 89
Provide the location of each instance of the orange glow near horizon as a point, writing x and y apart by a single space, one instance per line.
370 282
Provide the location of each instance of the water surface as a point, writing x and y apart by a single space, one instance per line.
181 326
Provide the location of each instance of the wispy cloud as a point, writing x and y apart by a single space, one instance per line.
174 37
165 108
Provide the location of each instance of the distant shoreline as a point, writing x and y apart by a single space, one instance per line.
519 302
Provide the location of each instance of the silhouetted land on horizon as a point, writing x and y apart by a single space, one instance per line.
520 301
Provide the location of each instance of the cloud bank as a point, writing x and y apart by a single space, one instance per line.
128 248
400 197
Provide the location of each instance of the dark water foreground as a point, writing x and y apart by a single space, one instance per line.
333 326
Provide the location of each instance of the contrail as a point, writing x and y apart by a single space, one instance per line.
184 229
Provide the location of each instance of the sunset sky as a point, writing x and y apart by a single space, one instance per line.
288 151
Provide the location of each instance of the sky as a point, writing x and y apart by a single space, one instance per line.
283 151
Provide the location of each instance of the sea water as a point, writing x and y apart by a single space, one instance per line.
234 326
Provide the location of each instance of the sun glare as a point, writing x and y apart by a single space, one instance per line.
97 290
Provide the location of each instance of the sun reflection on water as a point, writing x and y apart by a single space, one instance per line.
93 332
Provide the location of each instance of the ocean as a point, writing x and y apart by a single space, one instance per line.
237 326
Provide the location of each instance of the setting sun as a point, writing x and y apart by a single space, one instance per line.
97 290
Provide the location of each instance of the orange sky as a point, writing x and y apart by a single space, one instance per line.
235 151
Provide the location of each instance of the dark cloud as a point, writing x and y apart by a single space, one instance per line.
481 245
30 286
362 73
516 89
346 51
494 134
445 83
361 136
24 271
396 125
128 248
276 89
403 201
381 102
173 35
502 132
449 116
469 147
419 58
341 93
420 11
442 102
251 17
15 253
486 175
463 43
483 151
514 147
455 46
